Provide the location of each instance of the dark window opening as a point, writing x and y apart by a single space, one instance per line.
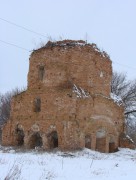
35 141
53 140
20 137
41 72
111 147
88 141
37 105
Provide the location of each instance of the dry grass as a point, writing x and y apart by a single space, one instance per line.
13 173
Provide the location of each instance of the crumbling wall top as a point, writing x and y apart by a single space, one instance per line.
73 43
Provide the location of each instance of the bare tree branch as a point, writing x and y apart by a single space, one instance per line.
5 100
126 90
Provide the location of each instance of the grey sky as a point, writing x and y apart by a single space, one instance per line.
110 24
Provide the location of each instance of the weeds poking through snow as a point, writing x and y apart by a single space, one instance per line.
47 175
14 173
50 175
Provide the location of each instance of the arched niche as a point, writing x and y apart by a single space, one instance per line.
35 140
19 136
88 141
53 140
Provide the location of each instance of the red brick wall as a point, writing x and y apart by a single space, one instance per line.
72 117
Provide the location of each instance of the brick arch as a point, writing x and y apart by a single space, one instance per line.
100 130
34 137
52 139
35 140
35 128
96 124
88 140
50 128
101 144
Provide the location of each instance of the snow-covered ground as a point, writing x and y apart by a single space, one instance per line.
80 165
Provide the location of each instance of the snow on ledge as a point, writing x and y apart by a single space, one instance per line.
128 137
81 93
116 99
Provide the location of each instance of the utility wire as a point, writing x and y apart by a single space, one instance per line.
22 27
124 65
14 45
11 44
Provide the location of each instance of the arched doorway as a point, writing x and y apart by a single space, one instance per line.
53 140
35 141
20 137
101 140
88 141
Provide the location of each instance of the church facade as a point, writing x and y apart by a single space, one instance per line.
68 101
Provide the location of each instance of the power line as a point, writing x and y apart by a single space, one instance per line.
22 27
14 45
11 44
124 65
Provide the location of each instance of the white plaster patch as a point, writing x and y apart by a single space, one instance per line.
20 126
112 139
101 74
101 133
53 127
35 128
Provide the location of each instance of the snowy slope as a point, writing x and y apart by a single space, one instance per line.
81 165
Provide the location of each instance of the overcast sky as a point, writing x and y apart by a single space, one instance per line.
111 24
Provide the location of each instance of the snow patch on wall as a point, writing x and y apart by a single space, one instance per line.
80 93
116 99
103 53
128 137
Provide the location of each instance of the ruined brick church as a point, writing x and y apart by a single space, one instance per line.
67 103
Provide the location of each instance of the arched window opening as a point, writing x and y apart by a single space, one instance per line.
53 140
41 73
20 137
35 141
37 105
88 141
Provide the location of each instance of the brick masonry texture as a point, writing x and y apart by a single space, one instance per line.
67 103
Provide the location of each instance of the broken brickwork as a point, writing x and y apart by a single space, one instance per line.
67 103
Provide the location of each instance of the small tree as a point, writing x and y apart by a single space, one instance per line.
126 90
